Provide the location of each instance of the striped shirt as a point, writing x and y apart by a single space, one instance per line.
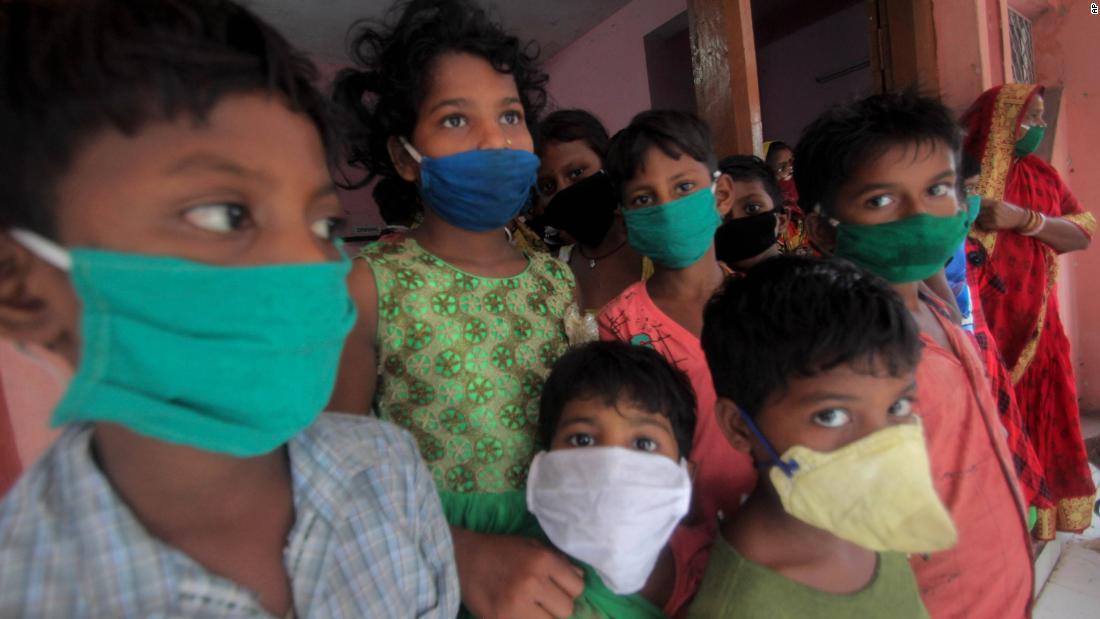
369 538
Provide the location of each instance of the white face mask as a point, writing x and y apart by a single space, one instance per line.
609 507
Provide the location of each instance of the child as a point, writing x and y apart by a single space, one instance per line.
457 326
167 213
617 423
819 357
673 199
751 232
883 170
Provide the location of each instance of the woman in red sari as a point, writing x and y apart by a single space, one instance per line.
1029 216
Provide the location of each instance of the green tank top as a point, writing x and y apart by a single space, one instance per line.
735 587
462 359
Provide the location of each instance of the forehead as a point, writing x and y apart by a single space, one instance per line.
620 411
657 164
459 75
898 162
561 153
748 186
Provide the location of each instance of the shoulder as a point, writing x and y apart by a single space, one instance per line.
395 248
344 447
548 266
626 312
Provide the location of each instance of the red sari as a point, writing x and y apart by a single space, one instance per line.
1015 277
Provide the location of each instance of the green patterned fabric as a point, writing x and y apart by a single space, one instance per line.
462 359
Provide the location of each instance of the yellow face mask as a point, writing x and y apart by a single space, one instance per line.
876 492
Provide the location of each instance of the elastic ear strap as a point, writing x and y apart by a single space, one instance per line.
43 248
409 147
787 468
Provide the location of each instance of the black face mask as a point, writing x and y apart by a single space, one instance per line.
585 209
744 238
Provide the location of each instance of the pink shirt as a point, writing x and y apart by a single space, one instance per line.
722 474
989 573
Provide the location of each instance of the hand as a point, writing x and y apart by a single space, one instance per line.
504 576
999 215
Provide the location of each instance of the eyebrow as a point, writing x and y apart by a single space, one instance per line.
652 419
461 103
877 186
819 396
211 162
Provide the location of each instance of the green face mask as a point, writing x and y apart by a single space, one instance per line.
1031 141
234 360
907 250
675 234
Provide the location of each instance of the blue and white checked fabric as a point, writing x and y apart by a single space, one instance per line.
369 539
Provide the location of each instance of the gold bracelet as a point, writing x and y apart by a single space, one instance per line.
1030 225
1042 221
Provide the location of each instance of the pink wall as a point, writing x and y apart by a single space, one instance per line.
605 70
963 51
1066 51
790 98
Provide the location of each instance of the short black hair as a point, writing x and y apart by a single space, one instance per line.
970 166
69 70
675 132
397 57
847 136
774 149
747 168
795 316
398 201
570 126
615 371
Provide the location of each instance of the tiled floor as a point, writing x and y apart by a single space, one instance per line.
1073 589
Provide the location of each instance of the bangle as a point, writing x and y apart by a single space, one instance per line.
1041 221
1031 222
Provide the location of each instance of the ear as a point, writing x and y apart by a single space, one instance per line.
37 302
407 167
723 195
822 233
732 425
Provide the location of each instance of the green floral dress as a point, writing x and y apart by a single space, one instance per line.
462 360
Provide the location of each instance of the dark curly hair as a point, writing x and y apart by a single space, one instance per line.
69 70
397 56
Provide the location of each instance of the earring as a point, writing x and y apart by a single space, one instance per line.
508 141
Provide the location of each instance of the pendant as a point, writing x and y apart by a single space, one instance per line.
591 263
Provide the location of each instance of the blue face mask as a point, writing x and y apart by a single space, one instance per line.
227 359
477 190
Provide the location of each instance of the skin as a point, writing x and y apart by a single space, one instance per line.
824 413
565 163
1059 234
230 191
751 198
469 105
904 181
593 422
679 293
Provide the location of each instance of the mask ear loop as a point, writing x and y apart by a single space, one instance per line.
788 468
417 157
44 248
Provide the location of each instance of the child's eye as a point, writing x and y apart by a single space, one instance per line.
511 117
575 173
901 408
326 228
222 218
940 189
641 200
881 201
685 187
454 121
832 418
582 440
547 188
645 444
752 208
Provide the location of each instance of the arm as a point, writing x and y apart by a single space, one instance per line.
358 376
514 577
1060 234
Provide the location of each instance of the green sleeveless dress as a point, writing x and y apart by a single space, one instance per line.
462 360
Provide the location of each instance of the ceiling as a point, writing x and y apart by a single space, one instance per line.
774 19
319 27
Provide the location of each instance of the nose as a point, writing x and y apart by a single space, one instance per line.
493 137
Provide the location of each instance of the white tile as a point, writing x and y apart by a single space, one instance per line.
1073 591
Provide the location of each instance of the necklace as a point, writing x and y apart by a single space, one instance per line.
593 259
